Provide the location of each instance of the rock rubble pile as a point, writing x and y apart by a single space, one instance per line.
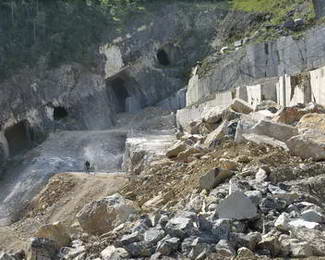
242 183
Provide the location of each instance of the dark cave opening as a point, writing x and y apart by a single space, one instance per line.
162 57
18 137
59 113
121 94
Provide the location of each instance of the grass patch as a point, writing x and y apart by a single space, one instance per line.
279 9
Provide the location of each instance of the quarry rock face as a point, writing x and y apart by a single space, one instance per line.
247 65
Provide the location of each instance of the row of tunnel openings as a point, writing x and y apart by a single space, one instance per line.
20 136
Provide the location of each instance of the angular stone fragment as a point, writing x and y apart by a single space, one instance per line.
153 235
179 227
315 238
255 196
131 238
176 149
263 139
224 248
261 175
244 253
41 248
312 216
300 223
311 145
270 242
300 248
278 131
113 253
213 178
282 222
55 232
312 121
241 106
168 245
237 206
249 240
216 135
139 249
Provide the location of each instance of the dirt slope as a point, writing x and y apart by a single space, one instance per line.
61 199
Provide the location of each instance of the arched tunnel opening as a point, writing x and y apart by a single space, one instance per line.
59 113
162 57
18 137
121 94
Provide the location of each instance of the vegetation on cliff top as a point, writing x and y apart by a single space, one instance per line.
279 9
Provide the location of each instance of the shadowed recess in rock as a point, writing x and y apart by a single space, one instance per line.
18 137
121 93
162 57
59 113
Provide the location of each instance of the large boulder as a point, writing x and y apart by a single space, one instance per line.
213 178
269 130
315 238
263 139
237 206
176 149
168 245
291 115
102 216
312 121
313 215
241 106
216 135
308 145
180 226
213 115
55 232
278 131
41 248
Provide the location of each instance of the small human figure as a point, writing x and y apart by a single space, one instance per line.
87 167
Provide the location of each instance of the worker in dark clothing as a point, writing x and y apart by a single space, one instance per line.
87 167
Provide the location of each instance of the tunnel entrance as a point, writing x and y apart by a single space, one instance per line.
18 137
59 113
162 57
121 94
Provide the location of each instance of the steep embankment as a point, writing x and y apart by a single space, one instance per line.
60 200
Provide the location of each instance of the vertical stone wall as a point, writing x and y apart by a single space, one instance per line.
317 80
